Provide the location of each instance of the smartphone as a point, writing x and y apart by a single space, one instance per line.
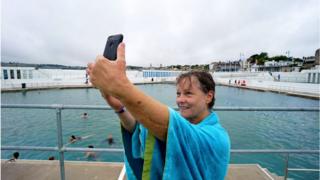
110 51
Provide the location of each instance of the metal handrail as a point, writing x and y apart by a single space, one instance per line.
238 151
64 149
61 148
303 170
101 107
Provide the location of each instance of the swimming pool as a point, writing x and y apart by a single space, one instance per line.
247 130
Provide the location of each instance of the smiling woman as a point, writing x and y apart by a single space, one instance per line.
158 141
196 128
195 95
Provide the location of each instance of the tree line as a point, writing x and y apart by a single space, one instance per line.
263 57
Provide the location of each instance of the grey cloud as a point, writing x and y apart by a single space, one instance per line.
158 32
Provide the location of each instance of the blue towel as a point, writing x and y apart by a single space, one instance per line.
191 151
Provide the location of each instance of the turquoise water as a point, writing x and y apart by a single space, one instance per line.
247 130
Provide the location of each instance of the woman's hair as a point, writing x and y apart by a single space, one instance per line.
206 82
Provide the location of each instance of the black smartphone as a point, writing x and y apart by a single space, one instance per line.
110 51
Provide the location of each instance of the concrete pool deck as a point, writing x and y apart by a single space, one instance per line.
82 170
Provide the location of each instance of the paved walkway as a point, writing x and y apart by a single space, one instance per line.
75 170
50 170
305 90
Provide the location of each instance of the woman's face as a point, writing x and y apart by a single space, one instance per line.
192 101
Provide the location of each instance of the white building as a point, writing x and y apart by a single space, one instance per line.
18 78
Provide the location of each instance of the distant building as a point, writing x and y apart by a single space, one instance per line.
230 66
274 66
309 62
14 77
317 57
245 65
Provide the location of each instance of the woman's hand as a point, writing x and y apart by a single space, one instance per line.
109 76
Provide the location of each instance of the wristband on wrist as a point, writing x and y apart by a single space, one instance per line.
122 110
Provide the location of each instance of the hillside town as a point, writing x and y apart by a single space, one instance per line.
256 63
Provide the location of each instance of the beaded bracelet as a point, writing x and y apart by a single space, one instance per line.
122 110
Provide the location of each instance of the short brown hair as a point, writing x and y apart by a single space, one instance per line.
206 82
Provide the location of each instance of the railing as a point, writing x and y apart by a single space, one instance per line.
61 149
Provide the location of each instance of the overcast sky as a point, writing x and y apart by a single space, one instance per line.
74 32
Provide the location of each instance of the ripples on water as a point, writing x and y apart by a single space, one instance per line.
247 130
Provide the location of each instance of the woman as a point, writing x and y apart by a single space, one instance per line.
160 142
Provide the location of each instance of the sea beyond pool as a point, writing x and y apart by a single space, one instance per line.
247 130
